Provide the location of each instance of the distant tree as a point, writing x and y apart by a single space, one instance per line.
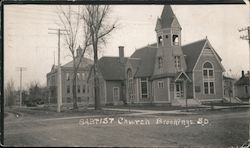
34 92
95 17
71 22
9 93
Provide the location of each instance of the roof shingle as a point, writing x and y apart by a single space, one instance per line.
192 52
111 68
147 56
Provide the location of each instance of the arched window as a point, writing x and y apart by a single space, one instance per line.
175 39
208 78
208 70
160 40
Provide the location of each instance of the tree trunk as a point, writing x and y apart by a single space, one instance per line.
96 79
75 107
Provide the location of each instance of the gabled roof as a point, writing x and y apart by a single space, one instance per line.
84 63
192 52
147 56
243 81
183 74
227 78
135 62
111 68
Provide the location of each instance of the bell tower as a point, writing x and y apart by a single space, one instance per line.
169 56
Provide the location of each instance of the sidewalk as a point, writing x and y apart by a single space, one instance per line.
182 111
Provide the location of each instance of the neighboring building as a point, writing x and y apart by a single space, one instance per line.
163 72
242 87
229 90
67 76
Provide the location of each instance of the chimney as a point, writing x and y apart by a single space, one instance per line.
121 54
242 74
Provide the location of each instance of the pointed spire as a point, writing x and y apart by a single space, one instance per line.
167 16
167 12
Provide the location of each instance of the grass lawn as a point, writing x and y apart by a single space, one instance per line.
151 107
51 113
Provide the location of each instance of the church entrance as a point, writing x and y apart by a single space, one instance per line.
179 90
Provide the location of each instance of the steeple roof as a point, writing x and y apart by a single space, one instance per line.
167 17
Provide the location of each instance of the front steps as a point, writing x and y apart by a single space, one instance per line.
232 100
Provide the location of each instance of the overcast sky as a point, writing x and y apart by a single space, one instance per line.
28 44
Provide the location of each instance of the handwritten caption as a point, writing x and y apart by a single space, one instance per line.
156 121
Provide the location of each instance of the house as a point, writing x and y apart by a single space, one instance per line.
229 89
165 72
242 87
67 76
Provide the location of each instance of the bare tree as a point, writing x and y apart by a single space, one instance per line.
95 17
9 93
71 22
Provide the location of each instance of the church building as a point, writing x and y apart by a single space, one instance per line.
165 72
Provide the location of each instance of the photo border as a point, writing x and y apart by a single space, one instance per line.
85 2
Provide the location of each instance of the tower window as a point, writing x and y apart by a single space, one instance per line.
67 77
175 39
166 36
160 40
177 61
160 62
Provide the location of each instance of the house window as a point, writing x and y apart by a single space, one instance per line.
211 87
116 93
206 87
246 89
160 62
160 84
78 89
68 99
79 99
208 78
175 39
160 40
177 61
68 89
78 76
67 77
144 87
83 88
83 76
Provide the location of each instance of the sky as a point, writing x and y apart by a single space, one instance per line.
27 42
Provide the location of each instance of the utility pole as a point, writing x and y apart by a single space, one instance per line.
21 69
247 37
59 75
